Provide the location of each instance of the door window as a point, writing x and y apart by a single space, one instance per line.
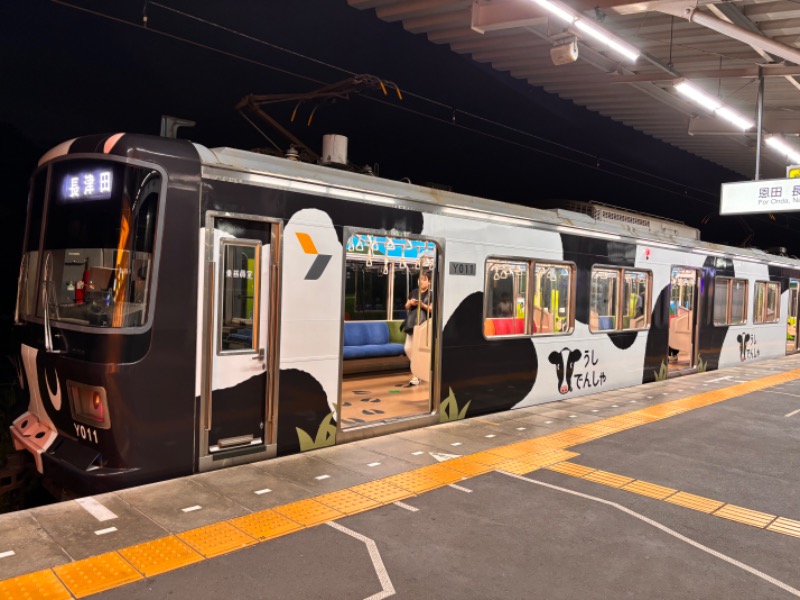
239 289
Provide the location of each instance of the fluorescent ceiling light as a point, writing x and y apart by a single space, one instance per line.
713 104
777 143
603 37
559 11
699 96
567 15
732 116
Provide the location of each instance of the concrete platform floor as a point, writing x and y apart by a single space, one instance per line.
677 489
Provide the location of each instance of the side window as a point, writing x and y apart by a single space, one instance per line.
505 298
766 306
730 301
721 292
636 299
603 308
738 301
239 289
620 299
552 298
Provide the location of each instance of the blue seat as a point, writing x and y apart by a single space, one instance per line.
604 323
368 339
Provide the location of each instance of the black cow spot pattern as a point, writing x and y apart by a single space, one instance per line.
657 338
303 405
586 252
473 366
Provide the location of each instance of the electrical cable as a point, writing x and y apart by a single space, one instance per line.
147 27
454 110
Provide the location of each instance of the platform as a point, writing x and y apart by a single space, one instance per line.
675 489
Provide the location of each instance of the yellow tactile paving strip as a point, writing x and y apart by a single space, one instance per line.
216 539
715 508
609 479
265 525
744 515
159 556
347 502
99 573
42 584
308 512
785 526
651 490
699 503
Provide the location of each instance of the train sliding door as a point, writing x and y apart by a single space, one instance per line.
791 320
390 329
683 305
239 362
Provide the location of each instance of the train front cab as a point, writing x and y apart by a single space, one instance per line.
106 361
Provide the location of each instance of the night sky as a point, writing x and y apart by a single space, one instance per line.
68 72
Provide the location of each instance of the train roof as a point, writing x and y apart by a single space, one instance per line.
292 175
282 173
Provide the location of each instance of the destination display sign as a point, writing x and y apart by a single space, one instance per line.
94 184
765 196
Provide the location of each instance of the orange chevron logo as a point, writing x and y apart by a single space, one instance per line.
322 260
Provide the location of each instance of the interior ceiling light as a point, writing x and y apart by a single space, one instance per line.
589 28
777 143
714 105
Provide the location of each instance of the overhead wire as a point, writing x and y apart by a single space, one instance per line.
455 111
434 102
147 27
595 167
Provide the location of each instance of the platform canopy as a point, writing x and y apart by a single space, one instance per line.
720 47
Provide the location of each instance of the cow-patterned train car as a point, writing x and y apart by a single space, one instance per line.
182 309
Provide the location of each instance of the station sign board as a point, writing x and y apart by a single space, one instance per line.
765 196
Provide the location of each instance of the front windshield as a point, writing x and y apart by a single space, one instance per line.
99 242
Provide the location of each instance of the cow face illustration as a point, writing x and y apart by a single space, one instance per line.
743 340
564 361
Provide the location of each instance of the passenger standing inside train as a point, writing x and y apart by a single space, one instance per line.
418 307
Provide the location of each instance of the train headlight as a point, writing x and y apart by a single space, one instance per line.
89 404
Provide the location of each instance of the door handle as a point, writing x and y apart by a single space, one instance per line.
262 353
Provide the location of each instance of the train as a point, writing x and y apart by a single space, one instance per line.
183 308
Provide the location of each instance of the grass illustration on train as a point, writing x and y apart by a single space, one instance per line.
182 309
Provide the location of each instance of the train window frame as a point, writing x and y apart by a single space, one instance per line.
647 301
225 243
526 303
760 316
729 301
27 284
618 313
571 301
152 295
